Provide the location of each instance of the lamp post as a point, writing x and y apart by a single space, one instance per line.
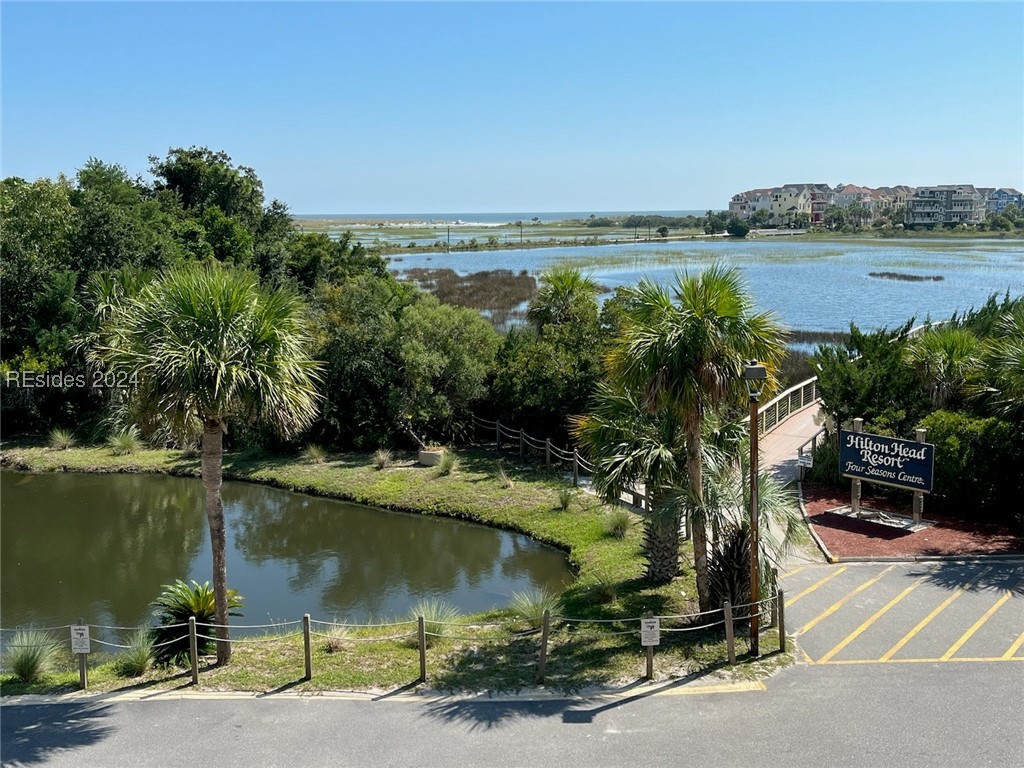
754 376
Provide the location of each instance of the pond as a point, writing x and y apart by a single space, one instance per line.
99 547
810 284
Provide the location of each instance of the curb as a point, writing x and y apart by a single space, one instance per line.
833 559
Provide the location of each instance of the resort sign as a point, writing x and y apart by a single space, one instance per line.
887 460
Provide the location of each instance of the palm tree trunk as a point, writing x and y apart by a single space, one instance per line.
661 541
695 472
213 475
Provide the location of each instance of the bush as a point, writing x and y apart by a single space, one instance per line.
30 654
61 439
530 605
977 467
176 604
125 442
137 658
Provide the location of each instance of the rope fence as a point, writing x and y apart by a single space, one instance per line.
648 628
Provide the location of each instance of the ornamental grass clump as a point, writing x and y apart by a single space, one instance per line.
565 498
531 604
437 616
125 442
137 659
383 458
61 439
448 464
31 654
618 523
504 480
314 454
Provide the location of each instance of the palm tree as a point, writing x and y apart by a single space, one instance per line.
565 295
1000 381
683 349
630 445
210 346
945 358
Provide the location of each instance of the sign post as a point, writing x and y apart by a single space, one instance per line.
907 464
81 647
650 636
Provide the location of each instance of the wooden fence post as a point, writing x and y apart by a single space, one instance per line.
497 434
522 443
547 452
780 609
307 645
575 468
193 648
730 638
773 616
542 664
421 632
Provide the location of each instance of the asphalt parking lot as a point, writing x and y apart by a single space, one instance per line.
903 613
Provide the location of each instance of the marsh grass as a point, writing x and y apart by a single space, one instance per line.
618 523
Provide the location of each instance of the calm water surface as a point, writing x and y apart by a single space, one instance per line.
100 546
813 285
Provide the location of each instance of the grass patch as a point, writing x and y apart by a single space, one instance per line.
499 655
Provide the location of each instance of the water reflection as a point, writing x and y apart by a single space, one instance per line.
99 547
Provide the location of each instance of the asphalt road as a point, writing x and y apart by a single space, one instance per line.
929 715
955 700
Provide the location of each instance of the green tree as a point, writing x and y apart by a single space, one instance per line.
760 218
209 346
737 228
834 217
683 350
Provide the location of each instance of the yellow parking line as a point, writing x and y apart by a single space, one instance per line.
927 619
875 617
815 585
843 601
1015 647
977 625
971 659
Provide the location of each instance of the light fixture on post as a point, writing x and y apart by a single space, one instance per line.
755 376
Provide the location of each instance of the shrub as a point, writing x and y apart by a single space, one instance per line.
177 602
61 439
618 523
30 654
125 442
437 615
448 464
137 658
314 454
977 467
382 458
530 605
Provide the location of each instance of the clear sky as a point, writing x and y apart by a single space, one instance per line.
476 107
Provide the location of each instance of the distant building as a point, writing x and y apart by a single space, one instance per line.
945 204
997 199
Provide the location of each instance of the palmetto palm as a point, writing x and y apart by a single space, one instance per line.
210 346
1000 382
630 445
945 358
564 294
683 349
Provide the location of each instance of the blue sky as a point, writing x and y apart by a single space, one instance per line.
422 107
